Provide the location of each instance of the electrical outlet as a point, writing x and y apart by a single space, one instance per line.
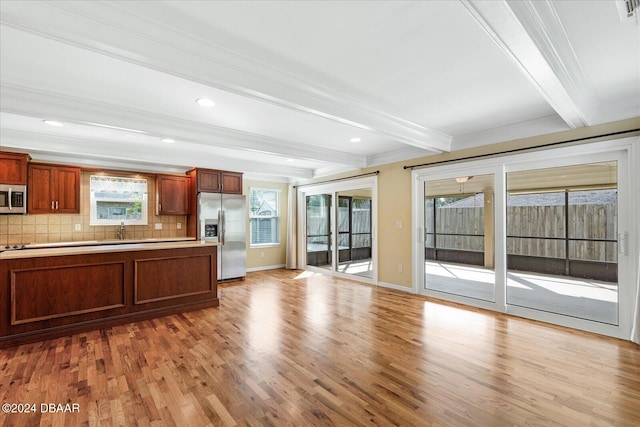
399 223
399 268
262 254
158 226
78 227
179 225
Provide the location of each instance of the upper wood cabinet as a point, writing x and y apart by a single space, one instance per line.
209 181
13 168
231 182
53 189
216 181
172 195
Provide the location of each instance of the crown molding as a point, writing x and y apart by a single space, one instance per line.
41 104
331 170
133 32
511 132
119 155
404 154
531 34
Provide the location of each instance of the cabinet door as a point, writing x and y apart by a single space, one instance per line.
172 195
53 189
67 194
209 181
13 168
40 185
231 182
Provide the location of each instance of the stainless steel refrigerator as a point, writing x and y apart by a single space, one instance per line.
222 218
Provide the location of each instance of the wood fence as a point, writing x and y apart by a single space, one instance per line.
540 230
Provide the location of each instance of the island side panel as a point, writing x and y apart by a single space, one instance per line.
47 297
171 277
66 290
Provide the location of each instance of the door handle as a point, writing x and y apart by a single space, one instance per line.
623 243
222 233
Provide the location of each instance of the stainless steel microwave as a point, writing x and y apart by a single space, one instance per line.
13 199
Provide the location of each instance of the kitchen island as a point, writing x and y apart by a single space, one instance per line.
55 291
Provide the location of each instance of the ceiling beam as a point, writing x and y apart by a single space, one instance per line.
531 34
40 104
119 155
156 38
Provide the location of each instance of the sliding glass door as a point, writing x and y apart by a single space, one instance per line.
542 235
458 224
354 232
562 248
339 229
319 231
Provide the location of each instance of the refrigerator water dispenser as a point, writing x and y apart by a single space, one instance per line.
211 230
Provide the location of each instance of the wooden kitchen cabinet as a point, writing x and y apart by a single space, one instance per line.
13 168
216 181
209 181
53 189
172 195
231 182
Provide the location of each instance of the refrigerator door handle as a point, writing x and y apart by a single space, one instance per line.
222 231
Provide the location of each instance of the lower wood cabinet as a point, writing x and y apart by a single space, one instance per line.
46 297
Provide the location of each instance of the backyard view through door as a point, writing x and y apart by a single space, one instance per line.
348 222
459 236
561 240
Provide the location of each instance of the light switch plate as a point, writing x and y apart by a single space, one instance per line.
158 226
78 227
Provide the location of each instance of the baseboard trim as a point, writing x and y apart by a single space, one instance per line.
265 267
396 287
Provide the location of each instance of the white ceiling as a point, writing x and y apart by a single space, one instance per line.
294 81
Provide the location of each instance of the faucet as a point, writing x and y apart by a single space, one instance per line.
120 233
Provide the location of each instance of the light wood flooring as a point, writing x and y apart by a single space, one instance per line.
289 348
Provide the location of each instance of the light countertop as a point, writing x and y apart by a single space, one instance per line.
104 246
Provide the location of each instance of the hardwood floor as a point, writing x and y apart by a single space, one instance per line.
288 348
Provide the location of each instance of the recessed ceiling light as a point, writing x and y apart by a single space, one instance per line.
355 140
205 102
53 123
168 140
290 160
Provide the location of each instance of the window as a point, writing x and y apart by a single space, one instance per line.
115 200
264 216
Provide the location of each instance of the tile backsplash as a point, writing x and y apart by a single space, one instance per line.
50 228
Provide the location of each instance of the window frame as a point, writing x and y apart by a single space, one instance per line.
277 217
94 200
622 151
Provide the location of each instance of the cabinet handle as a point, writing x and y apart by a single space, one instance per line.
56 205
160 206
52 205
